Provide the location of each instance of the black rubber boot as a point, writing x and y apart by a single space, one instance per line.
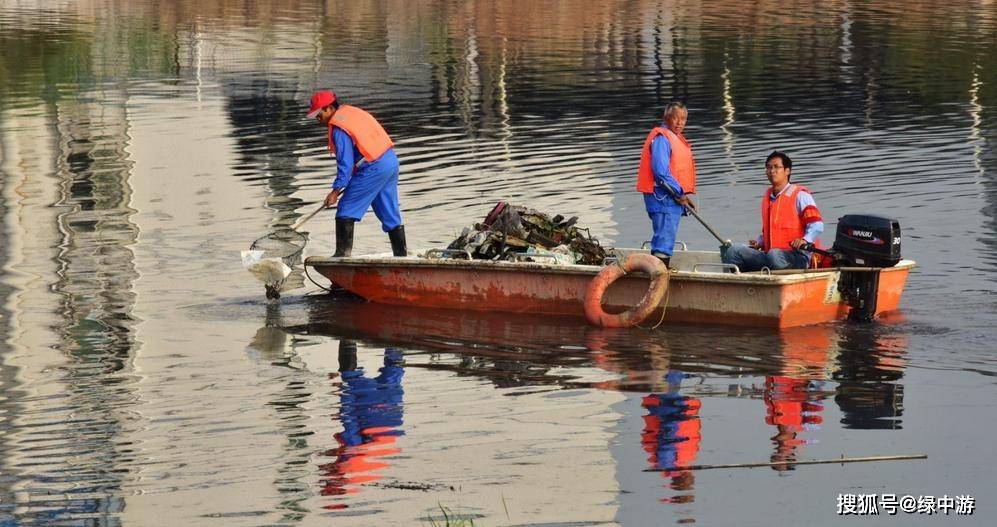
397 237
347 355
344 237
664 259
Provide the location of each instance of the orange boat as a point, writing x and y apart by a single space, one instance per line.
701 289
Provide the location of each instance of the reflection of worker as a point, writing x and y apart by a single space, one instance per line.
792 408
672 432
366 171
790 220
794 400
371 414
666 160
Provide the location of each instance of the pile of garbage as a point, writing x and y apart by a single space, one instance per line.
513 232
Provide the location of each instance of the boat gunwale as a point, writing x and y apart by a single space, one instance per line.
755 278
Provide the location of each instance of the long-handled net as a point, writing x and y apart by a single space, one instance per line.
271 258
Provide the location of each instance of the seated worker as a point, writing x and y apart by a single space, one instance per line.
790 220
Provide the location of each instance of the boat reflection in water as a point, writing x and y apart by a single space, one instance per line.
871 364
866 362
794 372
794 399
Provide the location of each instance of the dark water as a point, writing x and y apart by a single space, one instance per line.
144 381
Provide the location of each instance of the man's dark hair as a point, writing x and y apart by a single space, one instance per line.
335 104
672 107
786 161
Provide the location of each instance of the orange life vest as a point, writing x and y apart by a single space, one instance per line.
781 222
366 132
686 437
689 435
680 163
790 404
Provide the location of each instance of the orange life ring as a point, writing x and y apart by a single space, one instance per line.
635 315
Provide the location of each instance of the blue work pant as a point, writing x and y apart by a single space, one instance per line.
665 214
747 259
373 185
666 226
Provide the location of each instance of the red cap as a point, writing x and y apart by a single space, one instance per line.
320 100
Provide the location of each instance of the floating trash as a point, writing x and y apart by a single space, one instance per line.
270 259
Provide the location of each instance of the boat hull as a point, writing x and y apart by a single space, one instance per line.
747 299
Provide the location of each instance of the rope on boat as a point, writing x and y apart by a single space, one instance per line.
664 307
320 286
597 287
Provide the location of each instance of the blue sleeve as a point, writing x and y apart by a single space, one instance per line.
344 157
813 229
661 152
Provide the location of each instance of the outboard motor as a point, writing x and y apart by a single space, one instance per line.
864 240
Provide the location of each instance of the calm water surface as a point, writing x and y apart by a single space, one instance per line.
144 380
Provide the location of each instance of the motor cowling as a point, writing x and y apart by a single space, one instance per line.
866 240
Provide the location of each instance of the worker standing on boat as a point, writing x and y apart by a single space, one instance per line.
666 161
790 220
366 171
